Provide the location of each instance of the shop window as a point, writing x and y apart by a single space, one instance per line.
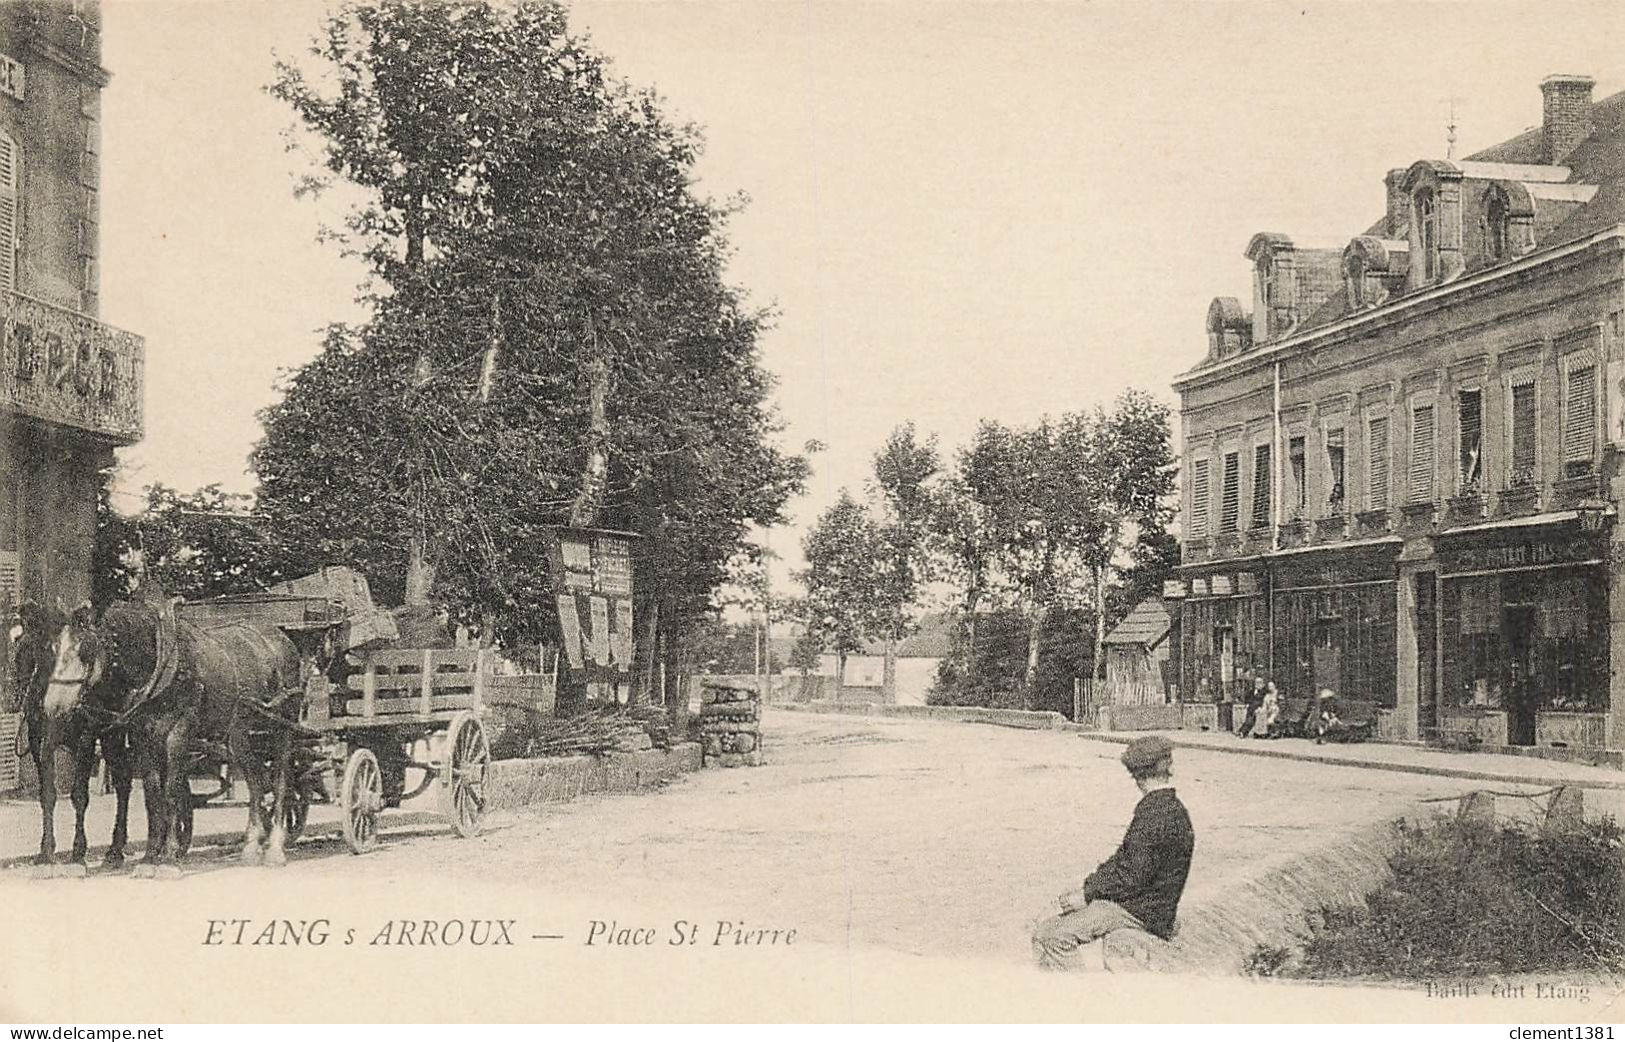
1300 488
1522 472
1199 498
1420 477
1470 438
1263 478
1335 471
1230 497
1377 462
1580 421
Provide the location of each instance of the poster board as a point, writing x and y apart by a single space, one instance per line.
591 572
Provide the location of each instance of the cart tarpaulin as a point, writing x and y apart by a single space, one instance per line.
591 570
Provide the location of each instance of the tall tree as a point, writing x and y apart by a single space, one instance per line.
552 339
844 603
904 470
1128 491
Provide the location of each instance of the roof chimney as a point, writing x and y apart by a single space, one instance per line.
1565 115
1398 216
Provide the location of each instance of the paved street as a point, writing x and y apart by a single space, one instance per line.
920 837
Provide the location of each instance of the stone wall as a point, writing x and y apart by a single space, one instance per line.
559 779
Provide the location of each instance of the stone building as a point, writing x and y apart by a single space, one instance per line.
70 386
1403 459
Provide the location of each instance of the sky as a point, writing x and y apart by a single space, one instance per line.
958 211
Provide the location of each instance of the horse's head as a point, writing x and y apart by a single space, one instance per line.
80 655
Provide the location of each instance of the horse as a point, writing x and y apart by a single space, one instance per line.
34 661
175 685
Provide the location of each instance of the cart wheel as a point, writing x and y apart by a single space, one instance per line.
462 778
362 797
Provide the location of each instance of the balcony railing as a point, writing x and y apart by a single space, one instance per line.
66 368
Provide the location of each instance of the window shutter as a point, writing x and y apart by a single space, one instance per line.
1580 417
1377 460
10 160
1199 498
1523 435
1230 505
1263 478
1421 469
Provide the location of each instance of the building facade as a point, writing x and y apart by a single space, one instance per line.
70 385
1402 463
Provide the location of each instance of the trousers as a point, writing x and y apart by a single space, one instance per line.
1059 940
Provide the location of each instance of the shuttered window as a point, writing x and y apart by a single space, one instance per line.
1263 479
1580 421
1377 462
1522 473
1470 437
1300 484
1200 493
10 175
1230 498
1420 478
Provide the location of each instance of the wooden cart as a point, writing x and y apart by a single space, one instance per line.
355 739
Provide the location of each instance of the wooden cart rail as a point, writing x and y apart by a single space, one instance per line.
426 682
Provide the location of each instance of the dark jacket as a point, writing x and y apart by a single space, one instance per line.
1147 874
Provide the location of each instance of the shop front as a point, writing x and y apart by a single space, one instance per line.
1334 615
1524 641
1223 634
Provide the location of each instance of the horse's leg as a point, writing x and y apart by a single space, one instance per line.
45 769
276 853
152 792
242 754
116 754
84 765
177 785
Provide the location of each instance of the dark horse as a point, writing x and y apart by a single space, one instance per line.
33 662
176 687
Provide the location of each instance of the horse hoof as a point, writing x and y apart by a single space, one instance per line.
42 858
113 860
252 855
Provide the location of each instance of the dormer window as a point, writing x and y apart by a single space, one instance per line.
1266 285
1354 281
1427 224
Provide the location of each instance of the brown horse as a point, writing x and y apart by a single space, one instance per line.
34 660
176 687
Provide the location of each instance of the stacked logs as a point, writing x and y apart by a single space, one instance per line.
730 726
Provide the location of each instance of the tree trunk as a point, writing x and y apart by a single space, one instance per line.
493 351
840 675
677 680
644 661
419 570
888 674
1097 666
1035 633
589 499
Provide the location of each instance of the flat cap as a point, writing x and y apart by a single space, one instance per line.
1147 752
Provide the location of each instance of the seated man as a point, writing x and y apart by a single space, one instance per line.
1139 887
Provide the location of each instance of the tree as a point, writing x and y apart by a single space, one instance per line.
844 603
552 340
191 544
1129 483
1028 485
903 472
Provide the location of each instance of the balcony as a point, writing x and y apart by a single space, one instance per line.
67 369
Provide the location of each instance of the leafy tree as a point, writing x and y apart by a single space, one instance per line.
1129 483
903 472
552 340
191 544
844 603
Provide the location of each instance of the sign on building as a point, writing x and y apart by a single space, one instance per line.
591 571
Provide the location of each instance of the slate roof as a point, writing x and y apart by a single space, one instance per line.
1146 625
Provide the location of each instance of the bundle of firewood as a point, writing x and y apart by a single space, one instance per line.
730 726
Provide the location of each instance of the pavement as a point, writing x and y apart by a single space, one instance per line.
1392 756
876 840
